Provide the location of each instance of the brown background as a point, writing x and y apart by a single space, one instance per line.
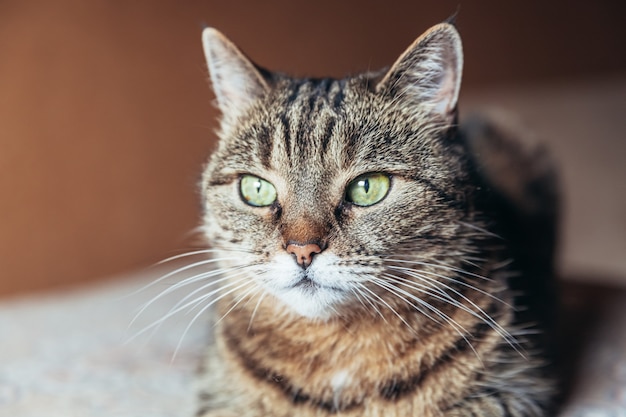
106 116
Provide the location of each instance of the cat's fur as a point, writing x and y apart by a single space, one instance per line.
423 304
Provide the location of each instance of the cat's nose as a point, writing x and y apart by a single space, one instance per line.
304 252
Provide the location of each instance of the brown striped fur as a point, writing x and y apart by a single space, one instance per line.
417 305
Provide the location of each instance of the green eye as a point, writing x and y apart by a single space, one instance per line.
256 191
368 189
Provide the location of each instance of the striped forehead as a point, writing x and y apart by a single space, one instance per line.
308 128
303 124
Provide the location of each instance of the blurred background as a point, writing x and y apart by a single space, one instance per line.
106 114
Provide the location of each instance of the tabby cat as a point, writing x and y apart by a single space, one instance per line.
376 258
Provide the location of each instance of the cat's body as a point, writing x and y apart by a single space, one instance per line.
369 246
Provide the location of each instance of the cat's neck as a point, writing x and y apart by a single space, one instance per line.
264 331
333 363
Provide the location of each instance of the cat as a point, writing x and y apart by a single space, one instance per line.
376 258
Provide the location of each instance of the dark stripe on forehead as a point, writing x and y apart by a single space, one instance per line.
324 86
337 99
307 124
350 146
286 128
318 91
327 134
308 117
293 95
265 143
313 101
292 118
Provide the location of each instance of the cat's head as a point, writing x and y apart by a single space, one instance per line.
319 185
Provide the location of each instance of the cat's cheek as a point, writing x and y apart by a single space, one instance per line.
282 273
231 221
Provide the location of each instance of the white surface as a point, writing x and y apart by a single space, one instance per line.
64 356
601 387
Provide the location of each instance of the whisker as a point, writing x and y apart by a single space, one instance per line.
416 285
394 291
178 285
454 280
453 323
435 293
427 291
237 302
388 306
178 271
210 284
186 255
256 307
480 229
479 314
203 252
484 316
446 267
368 299
189 295
199 299
357 295
206 307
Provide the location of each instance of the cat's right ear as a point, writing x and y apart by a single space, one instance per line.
237 82
428 74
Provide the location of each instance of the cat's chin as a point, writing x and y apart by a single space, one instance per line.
313 303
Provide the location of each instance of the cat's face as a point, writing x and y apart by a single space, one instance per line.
320 189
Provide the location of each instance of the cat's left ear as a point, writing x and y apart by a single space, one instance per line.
428 73
237 82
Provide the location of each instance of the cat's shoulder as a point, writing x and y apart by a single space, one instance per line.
512 160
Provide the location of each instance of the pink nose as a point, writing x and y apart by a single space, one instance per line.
303 253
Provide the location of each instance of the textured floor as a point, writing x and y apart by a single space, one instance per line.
66 355
69 356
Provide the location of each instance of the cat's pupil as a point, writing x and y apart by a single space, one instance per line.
365 184
257 186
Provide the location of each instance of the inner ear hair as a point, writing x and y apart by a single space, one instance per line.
237 81
428 73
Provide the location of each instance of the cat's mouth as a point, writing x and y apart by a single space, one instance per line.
312 292
308 284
